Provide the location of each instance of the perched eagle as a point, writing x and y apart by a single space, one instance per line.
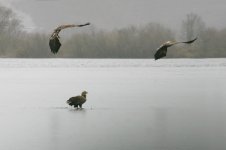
162 50
77 100
54 42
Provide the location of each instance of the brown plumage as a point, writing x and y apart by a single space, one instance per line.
162 50
54 42
77 100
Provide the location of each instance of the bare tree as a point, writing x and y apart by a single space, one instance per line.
8 21
192 26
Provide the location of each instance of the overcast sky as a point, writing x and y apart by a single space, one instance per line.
109 14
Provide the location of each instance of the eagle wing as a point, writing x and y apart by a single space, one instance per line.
161 52
54 42
77 100
191 41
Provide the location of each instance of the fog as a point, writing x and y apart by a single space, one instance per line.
169 104
44 15
132 41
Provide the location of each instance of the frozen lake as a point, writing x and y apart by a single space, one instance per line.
133 104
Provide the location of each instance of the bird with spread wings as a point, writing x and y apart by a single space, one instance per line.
54 42
162 50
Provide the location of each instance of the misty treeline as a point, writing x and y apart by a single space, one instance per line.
129 42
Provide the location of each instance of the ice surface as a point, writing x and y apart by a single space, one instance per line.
170 104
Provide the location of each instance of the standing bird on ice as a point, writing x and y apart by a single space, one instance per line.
77 100
162 50
54 42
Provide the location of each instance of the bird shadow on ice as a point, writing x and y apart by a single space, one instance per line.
61 108
76 109
86 109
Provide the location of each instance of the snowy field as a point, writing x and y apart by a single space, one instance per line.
133 104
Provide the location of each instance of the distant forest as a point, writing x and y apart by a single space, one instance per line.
129 42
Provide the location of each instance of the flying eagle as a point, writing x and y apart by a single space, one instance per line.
162 50
54 42
77 100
